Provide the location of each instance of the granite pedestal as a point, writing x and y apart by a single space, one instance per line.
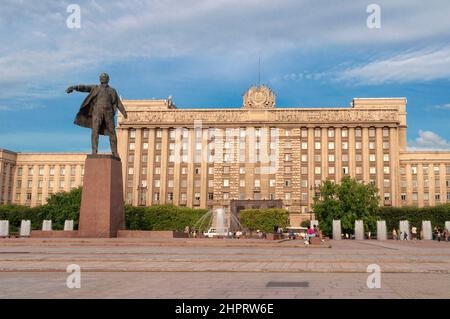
102 205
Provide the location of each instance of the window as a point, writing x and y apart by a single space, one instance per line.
242 183
272 183
358 170
287 169
132 146
345 145
304 146
287 145
287 157
331 158
317 170
62 184
52 170
226 170
317 132
344 132
386 183
170 196
30 183
437 196
371 132
158 146
145 146
344 170
385 132
386 157
372 145
210 196
197 196
358 157
426 196
372 170
30 171
287 196
331 145
317 145
413 169
358 132
170 183
41 170
157 183
304 183
385 145
386 170
358 145
345 157
414 196
317 158
304 158
331 132
387 196
304 133
372 157
40 183
226 183
130 170
331 170
403 196
197 171
145 133
257 183
304 170
156 196
287 183
132 133
20 171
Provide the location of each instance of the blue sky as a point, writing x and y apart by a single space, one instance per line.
205 54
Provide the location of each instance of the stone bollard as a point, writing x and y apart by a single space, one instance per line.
68 225
359 230
404 228
381 230
337 230
25 228
47 225
426 230
4 228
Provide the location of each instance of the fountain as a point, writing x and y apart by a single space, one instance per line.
336 229
359 230
218 220
381 230
404 228
426 230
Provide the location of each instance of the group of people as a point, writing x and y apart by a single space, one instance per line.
438 234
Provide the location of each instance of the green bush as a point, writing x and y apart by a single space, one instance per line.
161 217
66 206
264 219
306 223
437 215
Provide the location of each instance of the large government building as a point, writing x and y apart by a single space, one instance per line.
257 155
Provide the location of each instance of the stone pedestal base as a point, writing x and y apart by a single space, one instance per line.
102 212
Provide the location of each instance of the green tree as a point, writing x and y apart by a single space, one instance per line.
347 201
264 219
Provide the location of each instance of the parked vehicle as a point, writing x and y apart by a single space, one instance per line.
212 232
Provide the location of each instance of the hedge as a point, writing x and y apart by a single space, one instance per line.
437 215
264 219
162 217
66 206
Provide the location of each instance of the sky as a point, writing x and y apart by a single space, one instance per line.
205 53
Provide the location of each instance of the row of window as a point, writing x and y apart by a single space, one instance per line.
257 130
62 171
40 183
426 196
425 169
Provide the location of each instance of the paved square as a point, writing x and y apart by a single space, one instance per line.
222 268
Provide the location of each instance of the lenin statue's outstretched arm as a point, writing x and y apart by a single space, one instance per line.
80 88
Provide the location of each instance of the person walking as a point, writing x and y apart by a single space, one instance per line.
394 234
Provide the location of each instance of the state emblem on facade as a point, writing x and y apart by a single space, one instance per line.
259 97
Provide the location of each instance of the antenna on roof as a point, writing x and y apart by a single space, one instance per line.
259 71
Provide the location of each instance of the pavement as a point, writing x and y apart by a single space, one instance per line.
222 268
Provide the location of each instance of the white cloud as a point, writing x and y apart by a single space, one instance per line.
429 140
41 49
422 65
442 106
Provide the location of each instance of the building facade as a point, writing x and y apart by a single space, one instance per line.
206 158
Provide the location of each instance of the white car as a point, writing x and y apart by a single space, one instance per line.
212 232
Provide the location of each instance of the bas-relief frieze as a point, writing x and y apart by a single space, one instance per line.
268 116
